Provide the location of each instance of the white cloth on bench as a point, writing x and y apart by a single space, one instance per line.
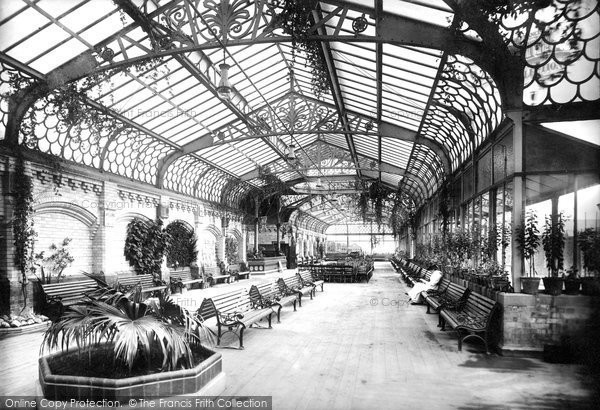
415 292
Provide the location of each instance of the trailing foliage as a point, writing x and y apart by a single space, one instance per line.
296 20
231 251
182 250
553 242
22 223
145 246
528 239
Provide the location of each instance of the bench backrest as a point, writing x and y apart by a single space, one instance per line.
479 305
264 290
444 284
305 275
224 303
183 275
146 280
427 275
70 292
455 291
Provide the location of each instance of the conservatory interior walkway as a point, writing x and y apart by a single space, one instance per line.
362 346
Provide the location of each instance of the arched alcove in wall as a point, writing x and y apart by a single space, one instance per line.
209 240
235 236
184 244
115 244
50 220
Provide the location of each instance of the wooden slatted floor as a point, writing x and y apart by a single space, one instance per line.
348 350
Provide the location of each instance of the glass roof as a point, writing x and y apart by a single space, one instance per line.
156 73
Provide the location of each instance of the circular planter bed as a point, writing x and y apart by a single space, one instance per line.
67 375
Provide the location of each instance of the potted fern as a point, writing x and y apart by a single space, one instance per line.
553 242
528 241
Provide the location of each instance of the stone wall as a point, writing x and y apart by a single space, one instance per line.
531 321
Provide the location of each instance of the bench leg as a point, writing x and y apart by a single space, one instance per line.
295 305
279 313
269 318
428 311
242 328
300 301
218 334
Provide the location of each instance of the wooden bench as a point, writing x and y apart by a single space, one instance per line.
474 319
234 313
424 276
364 272
214 273
307 279
69 293
243 274
268 294
146 281
184 277
292 284
453 296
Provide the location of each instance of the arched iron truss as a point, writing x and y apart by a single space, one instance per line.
170 49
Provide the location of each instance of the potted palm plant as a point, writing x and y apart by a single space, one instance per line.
553 242
113 346
528 241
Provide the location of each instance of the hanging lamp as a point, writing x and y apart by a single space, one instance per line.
224 89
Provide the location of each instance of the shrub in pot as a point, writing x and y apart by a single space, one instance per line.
553 242
589 244
528 241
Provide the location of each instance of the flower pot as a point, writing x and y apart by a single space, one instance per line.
553 285
499 283
590 286
530 285
572 286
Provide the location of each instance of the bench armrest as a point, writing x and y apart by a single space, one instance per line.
230 318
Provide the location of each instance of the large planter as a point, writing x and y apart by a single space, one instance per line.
530 285
553 285
207 376
572 286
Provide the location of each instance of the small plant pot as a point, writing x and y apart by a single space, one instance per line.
530 285
572 286
590 286
553 286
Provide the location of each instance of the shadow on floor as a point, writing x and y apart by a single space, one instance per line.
550 401
501 363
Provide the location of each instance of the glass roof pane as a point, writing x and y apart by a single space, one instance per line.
20 26
366 145
59 56
38 43
396 152
433 12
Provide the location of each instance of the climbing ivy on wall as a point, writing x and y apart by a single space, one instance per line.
231 250
145 245
22 224
183 249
